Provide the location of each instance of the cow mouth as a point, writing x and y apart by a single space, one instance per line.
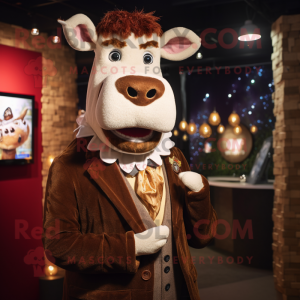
134 139
134 134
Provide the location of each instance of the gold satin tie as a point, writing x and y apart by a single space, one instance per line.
149 187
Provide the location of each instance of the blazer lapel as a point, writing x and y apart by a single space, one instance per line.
111 181
177 192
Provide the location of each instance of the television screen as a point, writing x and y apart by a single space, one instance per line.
16 128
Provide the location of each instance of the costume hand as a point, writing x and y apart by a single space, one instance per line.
191 180
151 241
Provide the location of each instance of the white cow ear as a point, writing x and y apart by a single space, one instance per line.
179 43
80 32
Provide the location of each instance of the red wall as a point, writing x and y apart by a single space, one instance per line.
20 187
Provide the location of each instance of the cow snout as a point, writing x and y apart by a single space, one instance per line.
140 90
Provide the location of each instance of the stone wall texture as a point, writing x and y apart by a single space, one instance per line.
285 36
59 90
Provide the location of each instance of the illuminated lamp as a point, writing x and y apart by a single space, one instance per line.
220 128
185 137
205 130
237 130
55 39
249 32
50 270
175 132
183 125
214 118
234 119
191 129
253 129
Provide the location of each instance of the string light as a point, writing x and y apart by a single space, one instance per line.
214 118
234 119
55 39
185 137
191 129
35 31
175 132
183 125
220 129
253 129
205 130
237 129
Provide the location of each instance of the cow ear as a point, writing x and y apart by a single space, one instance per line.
179 43
80 32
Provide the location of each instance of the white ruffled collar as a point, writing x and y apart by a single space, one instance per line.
127 161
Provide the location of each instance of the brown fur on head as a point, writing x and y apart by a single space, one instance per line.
123 23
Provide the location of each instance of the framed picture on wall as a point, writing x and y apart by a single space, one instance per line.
16 128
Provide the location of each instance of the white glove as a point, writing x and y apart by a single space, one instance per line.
191 180
151 241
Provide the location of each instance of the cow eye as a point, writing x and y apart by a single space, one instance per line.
114 55
12 130
6 131
148 58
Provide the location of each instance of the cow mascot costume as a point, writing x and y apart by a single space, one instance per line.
123 197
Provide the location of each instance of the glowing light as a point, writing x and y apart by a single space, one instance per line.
270 84
214 118
183 125
175 132
185 137
199 55
239 78
229 95
191 129
252 81
50 270
205 130
55 39
237 130
207 95
234 91
35 31
249 112
220 129
252 106
253 129
234 119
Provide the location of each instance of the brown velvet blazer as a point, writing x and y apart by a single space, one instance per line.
90 220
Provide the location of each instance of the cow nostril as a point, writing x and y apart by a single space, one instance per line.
151 93
131 92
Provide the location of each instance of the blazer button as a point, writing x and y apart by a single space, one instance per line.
167 269
167 258
146 275
167 287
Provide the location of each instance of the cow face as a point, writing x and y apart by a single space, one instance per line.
129 104
14 132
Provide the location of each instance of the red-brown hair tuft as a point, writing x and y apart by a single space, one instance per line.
123 23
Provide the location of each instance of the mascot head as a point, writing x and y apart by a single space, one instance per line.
130 107
13 133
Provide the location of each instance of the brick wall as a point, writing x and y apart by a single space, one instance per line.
285 36
59 90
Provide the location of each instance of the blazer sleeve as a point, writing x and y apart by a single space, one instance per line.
66 246
200 218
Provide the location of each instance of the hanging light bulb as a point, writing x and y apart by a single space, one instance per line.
234 119
55 39
183 125
237 130
214 118
185 137
205 130
35 31
220 128
191 129
253 129
175 132
50 270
